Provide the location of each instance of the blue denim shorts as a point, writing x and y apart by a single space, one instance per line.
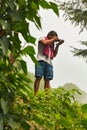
44 70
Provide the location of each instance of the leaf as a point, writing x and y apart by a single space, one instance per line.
54 8
34 5
21 3
11 4
21 27
33 59
37 22
16 17
30 39
84 108
29 50
2 22
4 105
4 44
16 41
84 123
24 66
26 79
44 4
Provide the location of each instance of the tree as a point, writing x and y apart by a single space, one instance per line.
76 12
15 16
14 20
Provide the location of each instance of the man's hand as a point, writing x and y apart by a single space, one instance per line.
56 38
61 42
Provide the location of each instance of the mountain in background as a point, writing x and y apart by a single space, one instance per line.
82 98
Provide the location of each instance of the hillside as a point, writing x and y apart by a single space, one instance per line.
82 97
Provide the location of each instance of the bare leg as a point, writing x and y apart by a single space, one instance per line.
47 84
36 85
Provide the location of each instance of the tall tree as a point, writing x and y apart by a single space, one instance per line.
15 16
14 20
76 12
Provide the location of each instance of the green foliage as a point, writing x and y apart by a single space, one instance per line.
80 52
80 95
15 16
76 12
57 109
19 109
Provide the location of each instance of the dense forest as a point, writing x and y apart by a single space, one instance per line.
57 109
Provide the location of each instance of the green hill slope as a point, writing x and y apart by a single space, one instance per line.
82 98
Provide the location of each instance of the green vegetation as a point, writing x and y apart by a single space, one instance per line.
76 12
55 109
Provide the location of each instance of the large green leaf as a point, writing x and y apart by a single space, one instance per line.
23 77
30 39
34 5
54 8
16 41
4 105
2 22
37 22
33 59
50 5
24 66
4 44
29 50
44 4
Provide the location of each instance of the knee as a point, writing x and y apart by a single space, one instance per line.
38 79
46 80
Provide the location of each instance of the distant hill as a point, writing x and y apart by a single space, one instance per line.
80 98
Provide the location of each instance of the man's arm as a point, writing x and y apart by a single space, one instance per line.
57 47
49 41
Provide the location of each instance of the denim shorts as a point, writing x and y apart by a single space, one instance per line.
44 70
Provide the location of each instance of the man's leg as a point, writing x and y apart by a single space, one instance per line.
36 85
48 76
46 84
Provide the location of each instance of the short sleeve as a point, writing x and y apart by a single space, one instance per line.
41 38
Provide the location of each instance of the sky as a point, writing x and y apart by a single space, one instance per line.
67 68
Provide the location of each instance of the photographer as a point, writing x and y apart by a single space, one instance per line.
46 52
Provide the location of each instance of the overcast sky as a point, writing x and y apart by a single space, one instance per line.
67 69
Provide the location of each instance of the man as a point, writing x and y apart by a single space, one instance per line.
46 52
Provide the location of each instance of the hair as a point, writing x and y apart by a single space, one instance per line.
51 33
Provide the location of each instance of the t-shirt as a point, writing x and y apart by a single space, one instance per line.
41 55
